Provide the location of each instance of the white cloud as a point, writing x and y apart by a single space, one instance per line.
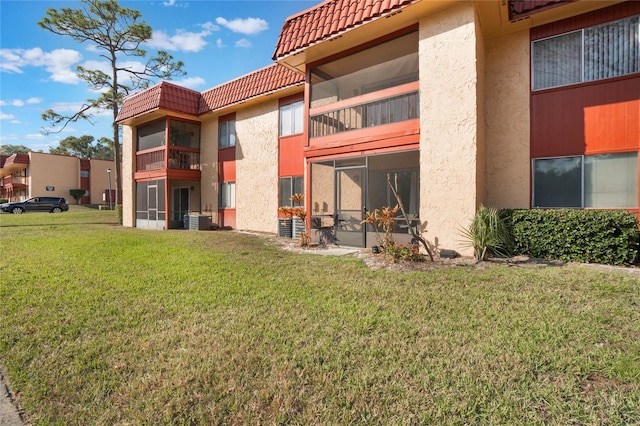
20 102
183 40
35 136
243 42
58 62
5 138
15 122
247 26
4 116
171 3
210 26
192 82
220 43
73 107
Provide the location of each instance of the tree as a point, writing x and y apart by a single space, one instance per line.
84 147
77 194
13 149
117 34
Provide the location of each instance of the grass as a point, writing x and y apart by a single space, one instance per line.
105 325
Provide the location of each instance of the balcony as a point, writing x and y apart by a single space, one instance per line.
356 117
178 159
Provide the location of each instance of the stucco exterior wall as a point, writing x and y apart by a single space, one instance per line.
99 179
508 121
57 171
449 115
127 171
257 168
209 166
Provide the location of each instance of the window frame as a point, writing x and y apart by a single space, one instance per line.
296 126
292 187
227 195
582 53
583 183
227 133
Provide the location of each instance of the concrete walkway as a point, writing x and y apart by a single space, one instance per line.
8 412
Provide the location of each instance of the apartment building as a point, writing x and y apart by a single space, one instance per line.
511 104
39 174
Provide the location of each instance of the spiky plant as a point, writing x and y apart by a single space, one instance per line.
488 234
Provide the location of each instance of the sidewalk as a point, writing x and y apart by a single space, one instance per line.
8 413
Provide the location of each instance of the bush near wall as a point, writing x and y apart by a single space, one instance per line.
588 236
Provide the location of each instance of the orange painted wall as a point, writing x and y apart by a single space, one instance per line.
586 119
290 156
227 165
227 218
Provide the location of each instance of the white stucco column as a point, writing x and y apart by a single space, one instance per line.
128 182
451 124
257 168
209 167
508 120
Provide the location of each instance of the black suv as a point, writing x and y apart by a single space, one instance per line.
37 204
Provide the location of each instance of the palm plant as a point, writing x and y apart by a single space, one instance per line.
488 234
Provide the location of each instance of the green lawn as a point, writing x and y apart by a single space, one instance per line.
102 325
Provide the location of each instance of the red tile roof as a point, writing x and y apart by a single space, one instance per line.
258 83
171 97
163 95
521 8
330 18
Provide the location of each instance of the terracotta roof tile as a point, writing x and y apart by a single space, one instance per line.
163 95
257 83
521 8
171 97
330 18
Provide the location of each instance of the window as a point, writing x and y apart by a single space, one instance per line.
288 187
227 134
227 195
594 53
151 135
183 134
291 119
84 173
389 64
592 181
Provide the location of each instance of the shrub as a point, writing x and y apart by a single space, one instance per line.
404 252
488 234
77 194
589 236
4 200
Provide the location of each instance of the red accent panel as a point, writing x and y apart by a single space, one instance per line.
586 119
400 143
227 117
291 156
386 131
227 218
227 164
618 11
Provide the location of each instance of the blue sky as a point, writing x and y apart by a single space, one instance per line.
217 40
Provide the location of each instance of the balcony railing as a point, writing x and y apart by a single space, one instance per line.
179 158
150 160
382 111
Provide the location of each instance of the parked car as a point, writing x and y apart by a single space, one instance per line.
36 204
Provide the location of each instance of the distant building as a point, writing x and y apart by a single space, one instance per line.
28 175
510 104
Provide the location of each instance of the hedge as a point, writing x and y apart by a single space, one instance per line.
587 236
